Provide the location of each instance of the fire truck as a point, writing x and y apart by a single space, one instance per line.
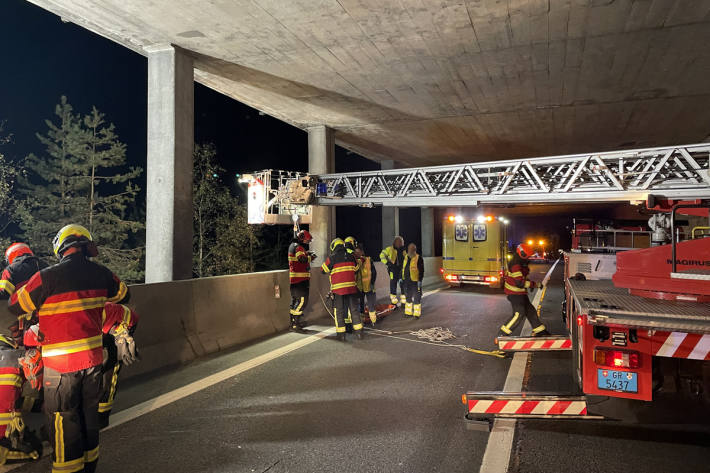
637 330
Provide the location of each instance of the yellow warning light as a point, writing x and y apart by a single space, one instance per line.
541 242
489 218
463 399
530 242
451 218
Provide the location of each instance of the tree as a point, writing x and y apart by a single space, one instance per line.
81 180
223 241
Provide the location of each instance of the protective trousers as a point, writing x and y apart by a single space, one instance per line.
394 279
343 303
71 404
299 301
414 299
109 384
522 308
369 298
12 429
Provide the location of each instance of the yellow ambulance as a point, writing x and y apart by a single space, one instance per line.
474 250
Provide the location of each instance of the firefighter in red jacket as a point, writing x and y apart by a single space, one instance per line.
342 267
516 286
15 443
299 274
69 298
120 323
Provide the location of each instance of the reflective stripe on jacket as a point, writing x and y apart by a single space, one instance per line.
299 264
516 279
69 298
413 269
341 266
18 273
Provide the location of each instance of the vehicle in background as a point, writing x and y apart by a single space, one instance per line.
545 246
474 250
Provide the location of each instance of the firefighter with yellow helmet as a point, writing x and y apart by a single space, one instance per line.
74 293
393 258
342 267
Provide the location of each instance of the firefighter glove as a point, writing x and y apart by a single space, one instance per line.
126 347
312 255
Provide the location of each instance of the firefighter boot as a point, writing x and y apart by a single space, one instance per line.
417 311
295 326
393 299
340 336
408 309
359 334
403 298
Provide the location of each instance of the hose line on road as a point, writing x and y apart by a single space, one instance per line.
384 333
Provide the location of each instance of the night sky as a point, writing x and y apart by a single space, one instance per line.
45 58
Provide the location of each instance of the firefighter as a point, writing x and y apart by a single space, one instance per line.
22 264
412 275
342 267
393 257
366 277
120 323
69 298
299 273
516 286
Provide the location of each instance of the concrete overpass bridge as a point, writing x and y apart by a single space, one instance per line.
409 83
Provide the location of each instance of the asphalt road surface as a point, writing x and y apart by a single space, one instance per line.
388 403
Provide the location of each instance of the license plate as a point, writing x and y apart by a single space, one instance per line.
473 278
624 381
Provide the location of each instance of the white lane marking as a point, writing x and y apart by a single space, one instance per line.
138 410
671 344
500 441
702 349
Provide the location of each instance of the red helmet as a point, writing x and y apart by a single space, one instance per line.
304 236
524 250
15 250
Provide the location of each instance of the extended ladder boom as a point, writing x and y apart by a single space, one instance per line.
680 172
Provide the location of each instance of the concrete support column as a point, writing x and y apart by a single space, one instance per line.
321 160
390 215
427 231
169 174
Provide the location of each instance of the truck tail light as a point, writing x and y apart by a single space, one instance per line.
491 279
616 358
441 270
580 320
451 277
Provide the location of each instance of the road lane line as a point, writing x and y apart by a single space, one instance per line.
496 458
143 408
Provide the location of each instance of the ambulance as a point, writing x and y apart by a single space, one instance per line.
474 250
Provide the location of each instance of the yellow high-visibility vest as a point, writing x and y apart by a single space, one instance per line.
364 278
413 268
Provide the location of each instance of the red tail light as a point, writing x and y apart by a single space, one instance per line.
580 320
616 358
451 277
491 279
441 270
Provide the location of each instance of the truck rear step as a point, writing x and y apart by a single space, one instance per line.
525 405
549 343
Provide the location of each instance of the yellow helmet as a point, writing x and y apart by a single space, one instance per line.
351 240
336 243
70 236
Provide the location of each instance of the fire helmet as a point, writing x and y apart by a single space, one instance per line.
524 250
336 243
15 250
304 236
72 236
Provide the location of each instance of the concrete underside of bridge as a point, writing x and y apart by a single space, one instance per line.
425 82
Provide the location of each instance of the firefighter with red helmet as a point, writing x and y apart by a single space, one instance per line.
516 286
342 268
120 323
299 274
69 298
22 264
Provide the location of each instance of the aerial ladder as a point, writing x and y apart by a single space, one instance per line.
617 328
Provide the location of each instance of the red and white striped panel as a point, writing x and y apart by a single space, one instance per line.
695 346
527 407
530 345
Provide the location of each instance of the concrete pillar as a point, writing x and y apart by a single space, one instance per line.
427 231
390 215
321 160
169 174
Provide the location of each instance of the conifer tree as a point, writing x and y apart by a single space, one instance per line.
82 179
